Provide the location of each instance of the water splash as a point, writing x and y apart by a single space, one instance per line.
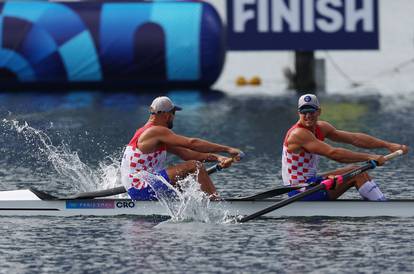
66 163
190 203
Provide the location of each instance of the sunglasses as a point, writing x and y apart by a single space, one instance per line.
307 110
172 112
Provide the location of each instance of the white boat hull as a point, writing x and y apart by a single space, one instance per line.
114 207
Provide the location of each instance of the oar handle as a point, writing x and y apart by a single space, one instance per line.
214 168
394 154
329 183
326 184
218 167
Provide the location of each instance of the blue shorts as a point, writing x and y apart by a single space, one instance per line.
148 193
321 195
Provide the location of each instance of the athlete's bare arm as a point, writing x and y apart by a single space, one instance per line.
157 135
188 154
302 138
357 139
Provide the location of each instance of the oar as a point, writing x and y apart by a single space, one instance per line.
104 193
97 194
117 190
270 193
326 184
83 195
218 167
213 169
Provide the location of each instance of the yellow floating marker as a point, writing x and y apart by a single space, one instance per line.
255 81
241 81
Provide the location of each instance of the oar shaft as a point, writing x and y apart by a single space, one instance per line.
213 169
356 172
271 193
282 203
370 165
326 184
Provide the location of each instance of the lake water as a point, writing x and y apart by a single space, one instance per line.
70 142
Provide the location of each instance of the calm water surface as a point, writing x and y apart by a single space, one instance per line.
73 142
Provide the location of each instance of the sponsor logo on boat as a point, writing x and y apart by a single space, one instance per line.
88 204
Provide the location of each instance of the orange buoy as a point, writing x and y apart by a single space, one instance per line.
241 81
255 81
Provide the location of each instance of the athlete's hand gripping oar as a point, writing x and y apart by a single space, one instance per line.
326 184
107 192
218 167
102 193
121 189
111 191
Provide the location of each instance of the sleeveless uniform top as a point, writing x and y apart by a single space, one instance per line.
298 167
134 161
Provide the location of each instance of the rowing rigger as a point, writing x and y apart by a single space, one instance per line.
32 202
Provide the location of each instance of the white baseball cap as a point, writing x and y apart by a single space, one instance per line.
308 101
163 104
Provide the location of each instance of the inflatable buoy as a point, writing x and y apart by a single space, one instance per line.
255 81
241 81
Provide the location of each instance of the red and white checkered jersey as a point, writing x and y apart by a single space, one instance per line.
298 167
134 161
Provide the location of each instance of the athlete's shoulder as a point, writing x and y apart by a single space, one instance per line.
325 127
322 123
155 132
298 129
159 129
300 133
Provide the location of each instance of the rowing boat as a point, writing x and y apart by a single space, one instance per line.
36 203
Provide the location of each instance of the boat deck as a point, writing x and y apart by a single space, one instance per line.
113 207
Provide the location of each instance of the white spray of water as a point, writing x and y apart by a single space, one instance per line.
190 203
67 163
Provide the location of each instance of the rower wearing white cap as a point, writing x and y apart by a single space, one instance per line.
147 151
304 143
